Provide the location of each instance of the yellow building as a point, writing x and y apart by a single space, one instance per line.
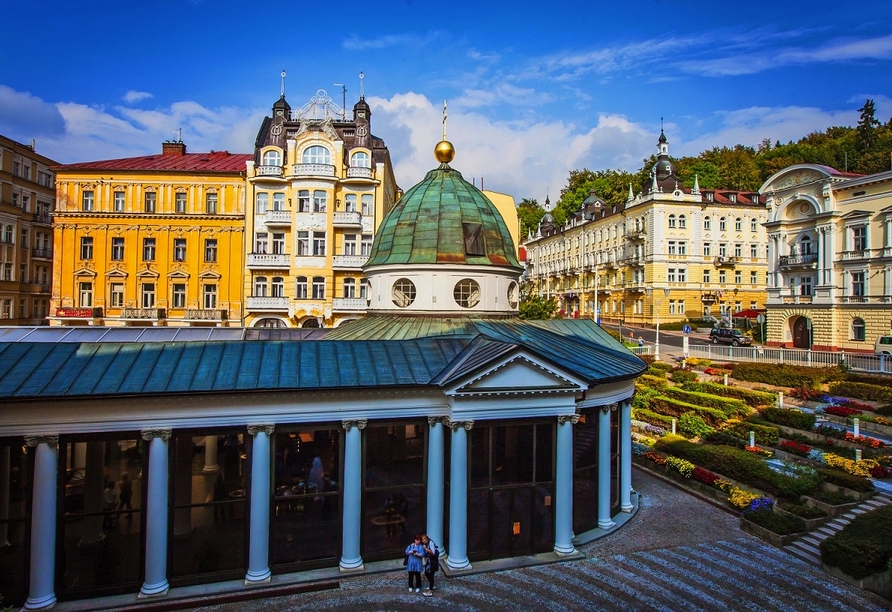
27 199
154 240
319 184
830 268
666 254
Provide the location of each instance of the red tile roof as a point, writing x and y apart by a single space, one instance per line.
215 161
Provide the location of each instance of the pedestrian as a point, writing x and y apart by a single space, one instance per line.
126 487
415 563
109 501
640 342
431 562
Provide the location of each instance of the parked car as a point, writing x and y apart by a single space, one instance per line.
729 336
883 346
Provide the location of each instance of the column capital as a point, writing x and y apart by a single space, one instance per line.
359 424
149 434
265 428
52 440
609 407
433 420
568 418
456 425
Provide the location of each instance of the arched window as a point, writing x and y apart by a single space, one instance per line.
722 225
349 287
754 225
317 155
671 220
260 286
858 329
805 245
707 223
682 222
272 158
360 159
277 288
270 322
738 224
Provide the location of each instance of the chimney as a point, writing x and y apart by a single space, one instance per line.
173 148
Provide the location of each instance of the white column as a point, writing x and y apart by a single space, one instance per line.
435 473
458 496
604 521
41 595
351 557
625 455
563 519
156 514
4 496
258 540
210 454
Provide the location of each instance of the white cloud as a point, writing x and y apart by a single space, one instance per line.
24 116
135 96
359 43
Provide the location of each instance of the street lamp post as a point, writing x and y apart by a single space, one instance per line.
596 314
657 306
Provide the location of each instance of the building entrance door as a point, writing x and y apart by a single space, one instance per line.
801 333
511 522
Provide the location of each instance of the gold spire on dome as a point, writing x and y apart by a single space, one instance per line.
444 151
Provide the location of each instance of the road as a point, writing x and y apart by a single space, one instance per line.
667 338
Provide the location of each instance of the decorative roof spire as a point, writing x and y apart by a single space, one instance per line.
654 187
283 84
696 189
444 151
361 87
631 193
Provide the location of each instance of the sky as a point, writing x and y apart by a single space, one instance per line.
534 90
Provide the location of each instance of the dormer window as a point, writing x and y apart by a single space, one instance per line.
272 158
317 155
473 237
360 159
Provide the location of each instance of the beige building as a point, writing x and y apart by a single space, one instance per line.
27 200
830 258
667 253
318 187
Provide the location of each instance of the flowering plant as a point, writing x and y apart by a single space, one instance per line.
681 466
757 451
759 503
816 455
856 468
841 411
796 448
864 440
655 457
805 393
741 499
704 476
882 420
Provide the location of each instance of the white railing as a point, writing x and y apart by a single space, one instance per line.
152 314
342 218
351 304
641 350
313 170
267 303
201 314
269 170
278 217
348 261
268 260
761 354
359 173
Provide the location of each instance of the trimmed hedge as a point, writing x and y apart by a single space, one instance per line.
870 379
751 398
784 375
781 524
676 408
651 417
764 434
863 547
643 396
727 405
682 376
844 479
740 465
789 418
722 438
861 391
653 381
661 365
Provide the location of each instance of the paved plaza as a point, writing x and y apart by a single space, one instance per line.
678 553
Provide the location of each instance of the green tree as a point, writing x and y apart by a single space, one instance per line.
867 126
535 307
612 186
530 213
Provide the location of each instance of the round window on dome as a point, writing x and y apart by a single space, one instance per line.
512 295
403 293
467 293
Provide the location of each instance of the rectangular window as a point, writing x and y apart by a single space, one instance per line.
303 201
279 244
682 247
117 249
180 202
671 306
210 250
858 283
752 305
7 271
261 243
116 293
859 235
85 295
723 250
318 288
368 204
318 244
350 202
672 249
320 201
349 288
151 201
210 203
707 250
738 306
179 249
300 292
119 201
682 275
670 275
754 277
706 277
148 295
754 226
738 224
738 250
148 249
349 244
366 245
722 277
754 250
262 203
179 295
680 306
87 201
210 297
278 201
16 168
303 243
738 277
86 247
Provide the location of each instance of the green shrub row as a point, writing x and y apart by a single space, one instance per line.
676 408
727 405
844 479
682 376
740 465
653 381
861 391
782 524
870 379
661 365
752 398
764 434
692 425
656 372
884 410
651 417
863 547
803 510
723 438
788 418
643 396
784 375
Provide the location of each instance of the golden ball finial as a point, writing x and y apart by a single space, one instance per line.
444 151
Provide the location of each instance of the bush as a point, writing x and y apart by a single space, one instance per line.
789 418
765 434
662 365
780 524
693 426
870 379
803 510
682 376
784 375
651 417
657 373
863 547
884 410
727 405
750 398
834 498
651 380
643 396
841 411
672 407
722 438
862 391
648 359
844 479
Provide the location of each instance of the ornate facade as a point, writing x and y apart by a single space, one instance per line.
667 253
27 200
830 258
155 240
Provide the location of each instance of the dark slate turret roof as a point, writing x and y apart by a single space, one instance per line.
426 225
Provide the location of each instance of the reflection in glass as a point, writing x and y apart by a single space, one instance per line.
13 527
585 472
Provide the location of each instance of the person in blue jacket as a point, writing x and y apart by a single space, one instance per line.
415 563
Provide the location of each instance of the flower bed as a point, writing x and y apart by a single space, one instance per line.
788 418
833 510
776 528
863 547
784 375
795 448
750 397
811 516
863 391
841 411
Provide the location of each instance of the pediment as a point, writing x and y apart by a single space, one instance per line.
178 274
116 273
147 274
85 272
519 374
210 274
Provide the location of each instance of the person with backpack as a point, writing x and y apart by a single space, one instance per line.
431 562
415 563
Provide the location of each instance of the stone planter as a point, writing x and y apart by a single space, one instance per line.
775 539
785 456
810 524
883 430
696 485
881 583
832 488
832 511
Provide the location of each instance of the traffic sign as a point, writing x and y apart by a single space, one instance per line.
760 319
687 329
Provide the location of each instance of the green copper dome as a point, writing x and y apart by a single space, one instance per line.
443 219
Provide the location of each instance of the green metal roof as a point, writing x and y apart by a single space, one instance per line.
427 225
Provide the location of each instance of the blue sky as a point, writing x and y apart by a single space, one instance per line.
534 90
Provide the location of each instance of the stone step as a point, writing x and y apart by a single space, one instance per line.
825 531
807 554
855 511
811 540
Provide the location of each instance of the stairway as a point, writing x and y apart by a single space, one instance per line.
807 547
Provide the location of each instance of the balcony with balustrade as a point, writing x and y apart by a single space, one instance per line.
267 303
348 262
267 261
268 174
42 253
725 261
203 315
42 218
348 219
143 314
865 299
277 218
349 304
313 171
801 260
859 255
798 299
359 176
